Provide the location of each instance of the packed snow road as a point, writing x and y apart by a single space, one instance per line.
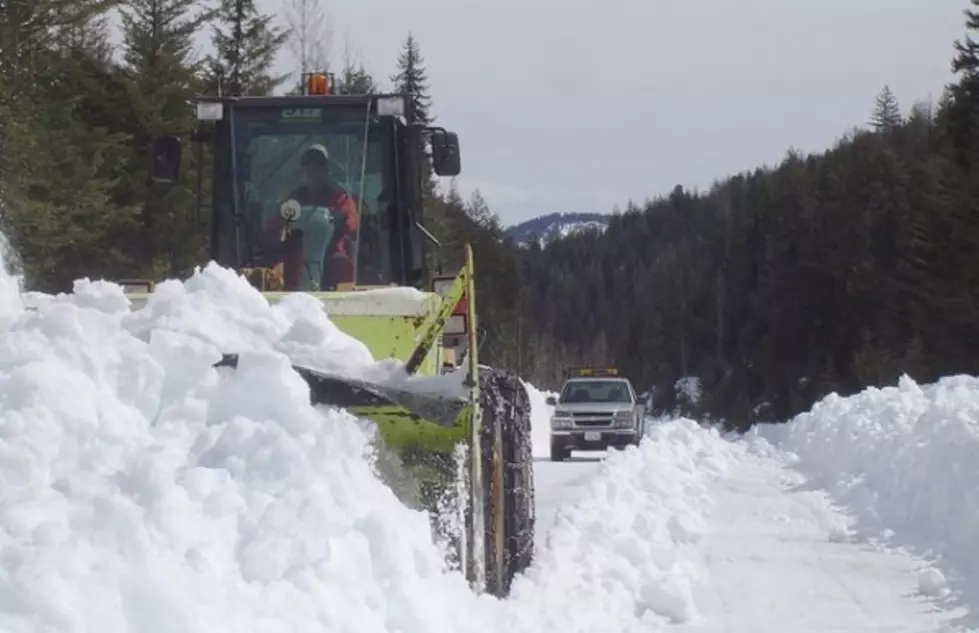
558 485
777 559
143 491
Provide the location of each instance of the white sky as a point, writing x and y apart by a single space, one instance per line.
578 106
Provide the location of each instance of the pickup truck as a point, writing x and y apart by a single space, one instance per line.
596 409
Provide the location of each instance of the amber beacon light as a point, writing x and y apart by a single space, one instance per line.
317 84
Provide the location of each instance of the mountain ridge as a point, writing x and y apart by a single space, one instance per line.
549 227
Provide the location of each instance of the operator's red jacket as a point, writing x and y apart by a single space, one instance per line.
339 267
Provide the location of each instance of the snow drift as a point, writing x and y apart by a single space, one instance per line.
145 491
905 461
630 545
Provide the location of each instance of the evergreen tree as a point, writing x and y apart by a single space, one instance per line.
160 76
966 61
963 107
64 160
246 44
887 112
411 78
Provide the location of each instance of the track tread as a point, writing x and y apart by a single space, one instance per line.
503 396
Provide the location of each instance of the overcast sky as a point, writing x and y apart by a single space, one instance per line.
578 106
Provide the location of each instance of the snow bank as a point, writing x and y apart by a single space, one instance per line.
626 556
145 491
540 419
905 460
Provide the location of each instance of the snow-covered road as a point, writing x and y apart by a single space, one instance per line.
775 554
777 561
558 484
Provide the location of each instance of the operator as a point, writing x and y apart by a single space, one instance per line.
319 189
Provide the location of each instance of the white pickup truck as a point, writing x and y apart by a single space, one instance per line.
596 409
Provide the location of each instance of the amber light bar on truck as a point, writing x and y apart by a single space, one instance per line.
595 372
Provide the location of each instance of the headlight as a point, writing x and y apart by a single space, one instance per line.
560 423
623 419
561 420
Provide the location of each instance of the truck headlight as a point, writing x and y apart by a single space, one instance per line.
560 423
623 419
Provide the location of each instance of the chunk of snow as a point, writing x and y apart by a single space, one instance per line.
931 582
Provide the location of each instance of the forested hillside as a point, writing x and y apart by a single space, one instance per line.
828 272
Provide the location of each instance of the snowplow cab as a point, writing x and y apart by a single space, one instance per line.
322 193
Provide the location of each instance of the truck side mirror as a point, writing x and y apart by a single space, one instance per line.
446 159
552 401
166 159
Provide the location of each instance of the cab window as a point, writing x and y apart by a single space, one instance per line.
269 143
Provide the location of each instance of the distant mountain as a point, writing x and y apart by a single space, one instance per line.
547 228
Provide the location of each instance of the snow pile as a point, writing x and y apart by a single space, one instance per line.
630 546
219 307
11 302
540 419
145 491
905 460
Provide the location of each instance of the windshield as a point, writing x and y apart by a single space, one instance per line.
334 161
595 391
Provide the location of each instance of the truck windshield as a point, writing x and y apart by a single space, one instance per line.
595 391
269 144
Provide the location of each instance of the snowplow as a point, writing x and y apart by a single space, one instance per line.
322 193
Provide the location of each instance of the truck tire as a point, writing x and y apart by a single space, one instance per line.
558 452
503 397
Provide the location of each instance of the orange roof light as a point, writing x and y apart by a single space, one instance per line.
317 84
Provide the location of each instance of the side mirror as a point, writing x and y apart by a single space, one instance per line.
166 159
446 160
552 401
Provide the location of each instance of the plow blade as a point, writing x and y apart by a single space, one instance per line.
360 397
490 489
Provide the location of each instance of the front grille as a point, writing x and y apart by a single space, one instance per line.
593 418
594 423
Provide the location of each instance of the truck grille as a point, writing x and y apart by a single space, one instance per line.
592 418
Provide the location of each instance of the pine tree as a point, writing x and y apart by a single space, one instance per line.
963 109
246 44
966 61
412 79
160 76
887 112
65 160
